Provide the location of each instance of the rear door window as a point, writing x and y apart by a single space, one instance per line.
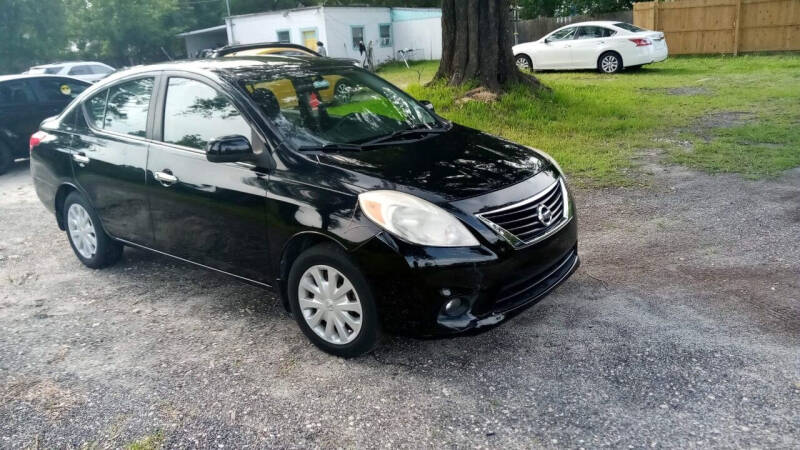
53 90
195 114
127 107
592 32
100 70
122 108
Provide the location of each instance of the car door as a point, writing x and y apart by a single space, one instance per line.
555 51
109 152
212 214
589 43
19 117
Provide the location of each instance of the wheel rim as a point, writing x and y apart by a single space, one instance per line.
609 63
330 305
81 230
523 63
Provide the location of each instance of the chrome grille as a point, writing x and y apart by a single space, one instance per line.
530 220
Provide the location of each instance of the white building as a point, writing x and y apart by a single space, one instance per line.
340 29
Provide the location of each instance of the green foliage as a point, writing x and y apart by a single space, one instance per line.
33 32
532 9
152 442
715 113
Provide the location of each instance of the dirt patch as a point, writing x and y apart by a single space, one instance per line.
44 395
704 127
480 94
680 91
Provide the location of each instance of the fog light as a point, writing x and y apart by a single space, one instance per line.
455 307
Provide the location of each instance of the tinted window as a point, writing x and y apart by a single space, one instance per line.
53 70
100 70
628 27
283 37
196 113
15 92
80 70
57 90
563 35
358 35
126 111
593 32
96 108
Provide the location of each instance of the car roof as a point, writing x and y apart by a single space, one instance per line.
228 49
232 65
603 23
68 63
27 76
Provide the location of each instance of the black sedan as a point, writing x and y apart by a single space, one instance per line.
364 210
26 100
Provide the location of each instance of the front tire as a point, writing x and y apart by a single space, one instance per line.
93 247
609 62
332 302
524 62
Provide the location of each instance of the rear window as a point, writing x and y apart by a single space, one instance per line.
80 70
629 27
100 70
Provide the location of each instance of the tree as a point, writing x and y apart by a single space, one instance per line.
30 35
476 45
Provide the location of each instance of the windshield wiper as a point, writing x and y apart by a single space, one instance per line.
331 147
417 129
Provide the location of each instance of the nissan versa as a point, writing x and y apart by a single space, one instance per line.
360 206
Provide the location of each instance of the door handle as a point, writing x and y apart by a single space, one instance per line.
81 159
166 178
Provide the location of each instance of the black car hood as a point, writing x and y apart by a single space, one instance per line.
454 165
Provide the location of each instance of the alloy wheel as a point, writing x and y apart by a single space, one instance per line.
81 230
523 63
609 64
329 304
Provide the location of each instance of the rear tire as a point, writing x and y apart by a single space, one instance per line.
93 247
6 159
524 62
609 62
338 312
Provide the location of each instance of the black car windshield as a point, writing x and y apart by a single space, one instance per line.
316 107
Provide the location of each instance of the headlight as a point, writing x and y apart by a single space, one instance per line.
415 220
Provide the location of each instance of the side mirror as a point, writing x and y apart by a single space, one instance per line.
229 149
428 105
547 40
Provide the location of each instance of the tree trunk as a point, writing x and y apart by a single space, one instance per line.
476 45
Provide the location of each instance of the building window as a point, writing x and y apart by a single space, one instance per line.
385 33
358 35
283 37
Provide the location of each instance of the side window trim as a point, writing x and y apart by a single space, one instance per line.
150 112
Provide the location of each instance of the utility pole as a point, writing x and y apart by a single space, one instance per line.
228 5
515 18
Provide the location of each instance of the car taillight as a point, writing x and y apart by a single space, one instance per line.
641 42
36 139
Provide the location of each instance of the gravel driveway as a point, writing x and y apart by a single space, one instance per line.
681 329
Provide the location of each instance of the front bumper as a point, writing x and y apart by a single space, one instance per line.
499 283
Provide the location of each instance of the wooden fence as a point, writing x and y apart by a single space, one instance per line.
531 30
723 26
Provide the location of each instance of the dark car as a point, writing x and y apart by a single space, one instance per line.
26 100
365 212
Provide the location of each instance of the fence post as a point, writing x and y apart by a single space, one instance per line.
655 15
737 27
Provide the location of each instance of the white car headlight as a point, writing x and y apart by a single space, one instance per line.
415 220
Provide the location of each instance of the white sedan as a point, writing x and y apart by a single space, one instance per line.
606 46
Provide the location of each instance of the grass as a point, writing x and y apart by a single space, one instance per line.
152 442
715 113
